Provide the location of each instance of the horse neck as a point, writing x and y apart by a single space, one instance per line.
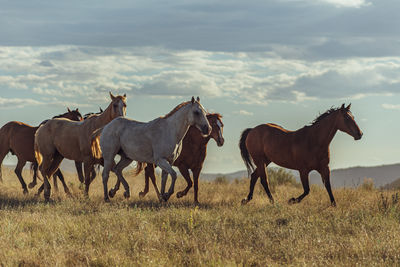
178 123
102 119
195 137
325 130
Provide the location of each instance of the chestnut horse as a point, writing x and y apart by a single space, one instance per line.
18 138
304 150
192 156
60 138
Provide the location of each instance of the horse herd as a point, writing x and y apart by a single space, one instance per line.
178 139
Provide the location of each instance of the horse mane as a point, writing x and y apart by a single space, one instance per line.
175 109
324 115
60 116
214 115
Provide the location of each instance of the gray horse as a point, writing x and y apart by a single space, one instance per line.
157 142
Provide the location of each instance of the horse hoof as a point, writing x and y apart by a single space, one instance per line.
179 194
333 203
292 201
111 193
244 201
31 185
142 194
271 200
165 197
127 194
25 191
107 200
81 186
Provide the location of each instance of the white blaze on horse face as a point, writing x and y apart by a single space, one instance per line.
121 108
219 129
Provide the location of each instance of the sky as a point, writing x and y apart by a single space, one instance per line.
279 61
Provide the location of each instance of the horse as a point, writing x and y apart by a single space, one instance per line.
78 165
156 142
18 138
192 156
304 150
60 138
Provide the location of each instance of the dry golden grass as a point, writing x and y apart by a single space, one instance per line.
362 230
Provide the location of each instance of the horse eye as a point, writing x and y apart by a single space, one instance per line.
197 113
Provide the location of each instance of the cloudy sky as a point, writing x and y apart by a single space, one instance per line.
282 61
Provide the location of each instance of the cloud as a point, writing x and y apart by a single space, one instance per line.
75 73
391 106
6 103
285 28
243 112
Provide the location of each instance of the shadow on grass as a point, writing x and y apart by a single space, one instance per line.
13 202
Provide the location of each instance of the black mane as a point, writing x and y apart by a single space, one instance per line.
324 115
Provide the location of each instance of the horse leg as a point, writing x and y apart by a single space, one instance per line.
34 166
78 166
122 164
185 173
88 170
306 187
61 177
253 180
55 181
325 174
264 182
114 190
153 181
3 153
167 169
105 175
196 174
18 172
147 172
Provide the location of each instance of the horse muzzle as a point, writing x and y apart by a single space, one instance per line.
358 137
220 141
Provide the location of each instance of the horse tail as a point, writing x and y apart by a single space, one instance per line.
5 133
95 143
139 168
38 156
245 153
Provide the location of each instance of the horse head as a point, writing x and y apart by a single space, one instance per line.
73 115
347 124
217 128
117 106
197 117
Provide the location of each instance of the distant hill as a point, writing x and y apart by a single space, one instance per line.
393 185
349 177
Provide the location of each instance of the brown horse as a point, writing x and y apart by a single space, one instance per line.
78 166
192 156
18 138
304 150
59 138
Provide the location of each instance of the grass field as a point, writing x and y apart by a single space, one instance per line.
364 228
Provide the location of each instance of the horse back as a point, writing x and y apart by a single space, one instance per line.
18 137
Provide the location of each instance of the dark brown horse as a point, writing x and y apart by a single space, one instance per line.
18 138
304 150
192 156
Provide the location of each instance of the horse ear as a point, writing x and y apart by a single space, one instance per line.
348 107
68 109
198 99
192 99
76 110
112 96
124 95
342 107
101 110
